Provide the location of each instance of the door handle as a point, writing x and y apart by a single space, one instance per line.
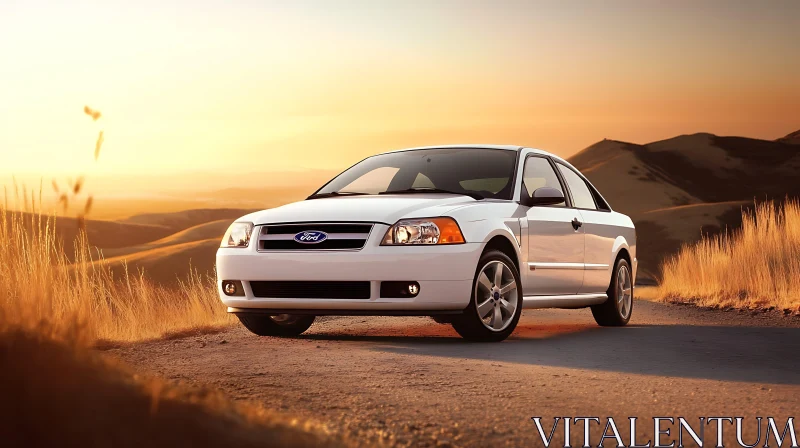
576 224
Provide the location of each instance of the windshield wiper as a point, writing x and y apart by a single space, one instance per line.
335 194
434 190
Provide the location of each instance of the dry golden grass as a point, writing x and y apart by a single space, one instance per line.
45 289
39 284
755 266
57 391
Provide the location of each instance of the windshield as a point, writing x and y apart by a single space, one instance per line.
485 173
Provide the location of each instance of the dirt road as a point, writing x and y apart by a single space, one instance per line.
410 381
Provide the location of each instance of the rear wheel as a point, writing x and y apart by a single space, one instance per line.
278 325
496 303
617 310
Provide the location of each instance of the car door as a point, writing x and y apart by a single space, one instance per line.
599 230
555 245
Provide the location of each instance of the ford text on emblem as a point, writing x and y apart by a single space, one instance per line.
311 237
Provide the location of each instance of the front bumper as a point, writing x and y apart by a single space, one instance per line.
444 274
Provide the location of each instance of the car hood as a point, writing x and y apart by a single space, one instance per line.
386 209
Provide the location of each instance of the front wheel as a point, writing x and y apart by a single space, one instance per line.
616 311
496 303
278 325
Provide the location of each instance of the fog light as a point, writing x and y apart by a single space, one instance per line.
399 290
232 288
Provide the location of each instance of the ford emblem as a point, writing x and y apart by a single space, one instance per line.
311 237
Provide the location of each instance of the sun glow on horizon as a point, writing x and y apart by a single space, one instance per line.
217 86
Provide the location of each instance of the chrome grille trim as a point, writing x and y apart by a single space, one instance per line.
331 236
352 237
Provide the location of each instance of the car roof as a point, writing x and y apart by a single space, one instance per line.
463 146
478 146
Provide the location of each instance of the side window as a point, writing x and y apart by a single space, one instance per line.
539 173
581 195
601 203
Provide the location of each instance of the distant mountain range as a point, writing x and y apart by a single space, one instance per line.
792 139
678 189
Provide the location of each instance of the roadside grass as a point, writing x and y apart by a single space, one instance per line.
40 287
58 390
757 266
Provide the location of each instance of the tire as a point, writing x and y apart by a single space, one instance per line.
285 325
617 310
487 297
445 320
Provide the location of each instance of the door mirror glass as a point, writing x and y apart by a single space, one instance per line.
545 196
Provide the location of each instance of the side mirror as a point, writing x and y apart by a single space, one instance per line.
543 196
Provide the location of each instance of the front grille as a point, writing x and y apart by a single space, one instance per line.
345 236
325 245
291 229
310 290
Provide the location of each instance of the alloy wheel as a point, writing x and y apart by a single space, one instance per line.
624 292
496 296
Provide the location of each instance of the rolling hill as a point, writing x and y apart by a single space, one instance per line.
184 219
681 188
163 244
104 234
168 259
792 139
190 239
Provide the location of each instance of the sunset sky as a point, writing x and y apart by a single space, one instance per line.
224 86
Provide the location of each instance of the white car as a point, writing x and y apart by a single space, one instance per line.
467 234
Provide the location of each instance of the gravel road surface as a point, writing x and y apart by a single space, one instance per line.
410 381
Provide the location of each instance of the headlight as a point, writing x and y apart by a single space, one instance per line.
423 231
238 235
